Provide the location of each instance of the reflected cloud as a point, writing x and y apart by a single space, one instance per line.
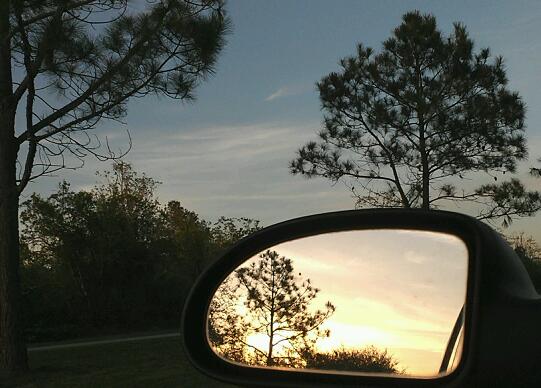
414 257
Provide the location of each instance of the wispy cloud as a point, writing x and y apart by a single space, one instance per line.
286 91
235 170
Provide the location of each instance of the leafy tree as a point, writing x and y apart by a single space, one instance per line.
189 247
191 237
101 243
402 126
68 64
194 243
228 230
277 302
52 229
50 299
369 359
108 258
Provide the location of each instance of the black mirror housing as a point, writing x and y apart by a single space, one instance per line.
502 309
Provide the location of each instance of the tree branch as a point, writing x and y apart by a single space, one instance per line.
31 153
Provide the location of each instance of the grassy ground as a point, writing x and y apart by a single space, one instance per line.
146 363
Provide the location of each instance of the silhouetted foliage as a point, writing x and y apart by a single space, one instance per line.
190 246
368 359
112 258
226 327
277 303
509 198
536 171
403 125
68 65
227 230
529 252
102 243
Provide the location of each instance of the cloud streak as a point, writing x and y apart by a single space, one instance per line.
286 91
236 170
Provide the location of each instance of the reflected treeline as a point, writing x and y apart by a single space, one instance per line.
263 315
368 359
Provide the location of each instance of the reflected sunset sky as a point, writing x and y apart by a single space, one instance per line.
398 290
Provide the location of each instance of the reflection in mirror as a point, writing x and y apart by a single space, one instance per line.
368 301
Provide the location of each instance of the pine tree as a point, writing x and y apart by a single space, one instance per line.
403 126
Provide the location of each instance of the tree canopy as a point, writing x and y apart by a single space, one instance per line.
79 62
67 65
409 125
95 261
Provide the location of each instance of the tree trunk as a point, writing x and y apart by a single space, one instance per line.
270 361
426 182
13 356
424 165
422 139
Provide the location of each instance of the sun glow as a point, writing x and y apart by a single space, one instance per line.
352 336
259 341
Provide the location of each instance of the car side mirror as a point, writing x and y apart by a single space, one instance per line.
387 297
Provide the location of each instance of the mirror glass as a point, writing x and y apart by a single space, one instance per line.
365 301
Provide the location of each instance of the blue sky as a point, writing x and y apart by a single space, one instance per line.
228 152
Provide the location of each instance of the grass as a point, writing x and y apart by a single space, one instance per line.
145 363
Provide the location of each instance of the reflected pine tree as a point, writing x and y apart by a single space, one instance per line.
267 300
263 315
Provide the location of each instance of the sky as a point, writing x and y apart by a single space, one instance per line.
399 290
227 153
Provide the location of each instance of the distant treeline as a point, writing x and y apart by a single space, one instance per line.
112 258
529 252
